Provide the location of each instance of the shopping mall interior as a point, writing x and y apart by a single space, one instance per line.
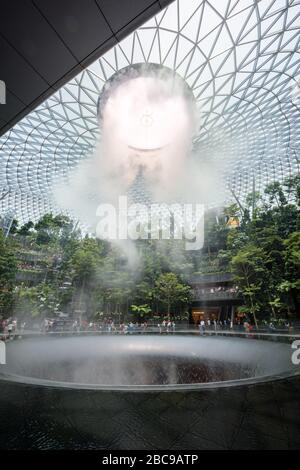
149 204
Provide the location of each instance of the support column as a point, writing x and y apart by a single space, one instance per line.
233 309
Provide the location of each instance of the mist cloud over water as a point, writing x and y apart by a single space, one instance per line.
147 126
145 359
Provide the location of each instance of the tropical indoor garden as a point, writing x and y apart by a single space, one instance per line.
50 268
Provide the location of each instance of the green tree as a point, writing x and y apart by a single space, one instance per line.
170 291
291 284
8 269
249 268
86 258
49 228
14 227
41 300
26 228
141 310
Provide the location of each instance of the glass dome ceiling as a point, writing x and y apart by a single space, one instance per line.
241 59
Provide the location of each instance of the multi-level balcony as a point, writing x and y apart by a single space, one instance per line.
34 266
213 282
214 293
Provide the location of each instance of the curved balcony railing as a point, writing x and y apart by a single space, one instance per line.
217 295
30 275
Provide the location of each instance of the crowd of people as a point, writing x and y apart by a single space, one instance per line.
107 326
214 325
10 326
200 291
26 266
123 328
239 325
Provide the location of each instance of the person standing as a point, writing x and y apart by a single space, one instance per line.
10 328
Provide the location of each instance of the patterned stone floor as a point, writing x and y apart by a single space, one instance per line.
261 416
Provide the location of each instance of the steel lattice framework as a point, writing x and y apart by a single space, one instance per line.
241 59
